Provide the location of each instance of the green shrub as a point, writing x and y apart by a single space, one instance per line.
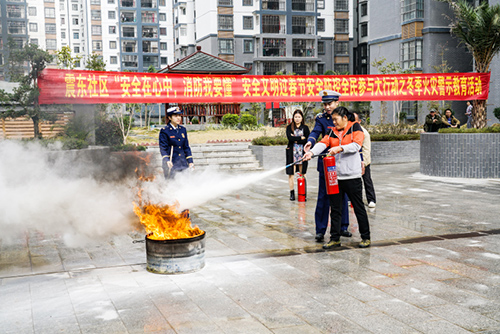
67 143
495 128
195 120
128 148
77 128
247 119
108 133
394 129
270 141
394 137
230 120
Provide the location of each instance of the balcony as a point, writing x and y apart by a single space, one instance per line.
128 32
274 29
127 17
149 61
149 32
149 17
15 12
149 3
129 46
149 47
303 6
127 3
274 5
274 47
303 48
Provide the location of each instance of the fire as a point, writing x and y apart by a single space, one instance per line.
165 222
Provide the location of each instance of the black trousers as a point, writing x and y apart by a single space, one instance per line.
369 190
354 190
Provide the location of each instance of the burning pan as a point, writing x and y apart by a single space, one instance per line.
176 256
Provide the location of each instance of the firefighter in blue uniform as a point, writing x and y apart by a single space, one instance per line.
322 127
174 145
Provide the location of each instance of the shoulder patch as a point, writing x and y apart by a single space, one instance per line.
319 115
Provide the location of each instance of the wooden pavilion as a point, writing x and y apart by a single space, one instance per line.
201 62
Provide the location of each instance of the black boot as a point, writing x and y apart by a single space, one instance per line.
292 195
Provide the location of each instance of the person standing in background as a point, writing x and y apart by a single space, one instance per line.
297 133
367 175
468 113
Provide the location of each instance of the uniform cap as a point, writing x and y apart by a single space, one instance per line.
174 110
328 96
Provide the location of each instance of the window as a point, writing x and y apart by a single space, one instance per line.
111 15
150 46
149 32
247 22
16 27
75 21
342 48
127 3
342 68
270 68
248 65
96 45
76 49
164 60
32 11
226 46
247 3
364 29
321 4
248 46
95 2
321 24
50 13
33 27
163 31
112 29
149 61
49 0
363 9
61 6
163 3
76 35
77 63
96 30
341 26
271 25
225 2
63 34
112 44
225 22
163 17
412 9
34 41
410 109
63 20
74 7
111 2
411 54
113 60
95 14
321 47
299 68
129 46
183 31
341 5
15 11
50 28
128 31
51 44
321 68
183 11
163 46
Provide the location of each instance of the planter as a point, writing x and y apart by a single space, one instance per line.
391 152
467 155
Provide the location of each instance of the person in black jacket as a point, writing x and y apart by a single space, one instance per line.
297 133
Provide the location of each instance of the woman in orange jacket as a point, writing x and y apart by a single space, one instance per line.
345 140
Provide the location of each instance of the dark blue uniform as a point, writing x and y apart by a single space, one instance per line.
322 213
176 138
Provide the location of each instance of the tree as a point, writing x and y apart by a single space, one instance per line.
390 68
65 59
95 63
26 95
479 29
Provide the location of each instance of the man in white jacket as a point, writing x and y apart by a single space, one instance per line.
367 175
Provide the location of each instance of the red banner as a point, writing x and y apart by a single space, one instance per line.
87 87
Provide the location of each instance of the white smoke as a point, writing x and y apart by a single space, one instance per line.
60 195
51 194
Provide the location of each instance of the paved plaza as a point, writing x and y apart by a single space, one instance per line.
434 267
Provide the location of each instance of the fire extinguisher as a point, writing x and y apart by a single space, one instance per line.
301 187
332 185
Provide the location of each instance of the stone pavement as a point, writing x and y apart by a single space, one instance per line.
434 268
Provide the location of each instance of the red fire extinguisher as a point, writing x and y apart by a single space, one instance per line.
301 187
332 185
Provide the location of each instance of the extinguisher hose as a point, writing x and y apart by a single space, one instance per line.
314 156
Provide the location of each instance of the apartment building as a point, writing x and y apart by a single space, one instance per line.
269 36
129 34
417 36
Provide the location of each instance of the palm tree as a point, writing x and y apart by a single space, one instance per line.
479 29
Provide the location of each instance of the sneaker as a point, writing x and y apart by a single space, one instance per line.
331 244
346 234
365 243
320 237
372 205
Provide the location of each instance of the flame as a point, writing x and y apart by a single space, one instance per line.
162 222
165 222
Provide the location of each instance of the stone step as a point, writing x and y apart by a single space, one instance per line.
223 154
225 160
218 147
232 166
